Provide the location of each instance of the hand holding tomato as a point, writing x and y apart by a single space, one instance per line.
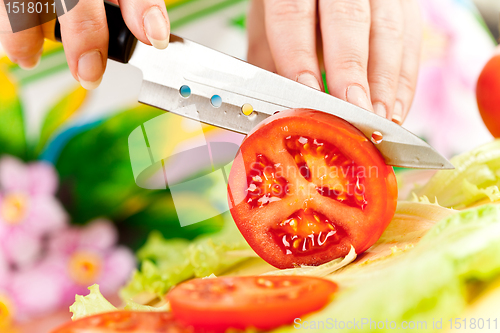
488 94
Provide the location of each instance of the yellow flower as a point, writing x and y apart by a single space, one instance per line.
6 325
13 208
85 267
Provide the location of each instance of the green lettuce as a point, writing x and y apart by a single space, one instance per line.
167 262
95 303
476 178
91 304
431 282
318 271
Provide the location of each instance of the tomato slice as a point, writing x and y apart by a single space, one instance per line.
126 322
263 302
307 185
488 95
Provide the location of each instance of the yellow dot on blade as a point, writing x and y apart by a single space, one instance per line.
247 109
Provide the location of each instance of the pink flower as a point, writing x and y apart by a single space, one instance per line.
4 281
34 292
81 256
28 209
76 258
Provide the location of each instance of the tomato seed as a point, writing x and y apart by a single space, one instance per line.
306 233
264 185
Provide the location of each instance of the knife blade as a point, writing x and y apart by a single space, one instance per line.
208 75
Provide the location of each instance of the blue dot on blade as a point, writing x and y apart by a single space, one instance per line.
185 91
216 101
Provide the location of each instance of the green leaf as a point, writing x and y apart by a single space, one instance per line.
91 304
60 113
12 131
475 179
167 262
434 281
96 175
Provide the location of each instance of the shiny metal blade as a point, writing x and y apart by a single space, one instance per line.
209 73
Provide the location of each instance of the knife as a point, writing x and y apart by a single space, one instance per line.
200 83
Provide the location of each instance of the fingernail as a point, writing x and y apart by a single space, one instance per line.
357 96
397 115
309 80
31 62
380 109
156 28
90 69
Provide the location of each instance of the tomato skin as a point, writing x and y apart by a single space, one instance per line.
125 322
262 302
488 95
363 228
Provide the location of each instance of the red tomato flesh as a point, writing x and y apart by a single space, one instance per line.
488 95
307 185
126 322
263 302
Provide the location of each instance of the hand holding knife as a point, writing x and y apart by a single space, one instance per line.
202 84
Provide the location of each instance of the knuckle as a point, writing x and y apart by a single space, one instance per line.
387 27
83 25
352 62
348 10
287 10
301 58
301 53
384 80
406 82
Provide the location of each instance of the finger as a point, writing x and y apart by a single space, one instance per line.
84 34
259 53
386 52
23 47
411 60
291 28
345 27
147 20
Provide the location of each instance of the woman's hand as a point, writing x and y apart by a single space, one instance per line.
84 33
370 49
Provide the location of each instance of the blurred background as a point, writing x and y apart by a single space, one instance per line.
71 213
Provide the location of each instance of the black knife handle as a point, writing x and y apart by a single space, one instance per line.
121 40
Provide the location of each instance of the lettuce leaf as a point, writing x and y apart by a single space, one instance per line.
476 178
132 306
319 271
91 304
167 262
215 254
431 282
95 303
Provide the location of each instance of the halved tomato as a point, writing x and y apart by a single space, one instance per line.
263 302
307 185
126 322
